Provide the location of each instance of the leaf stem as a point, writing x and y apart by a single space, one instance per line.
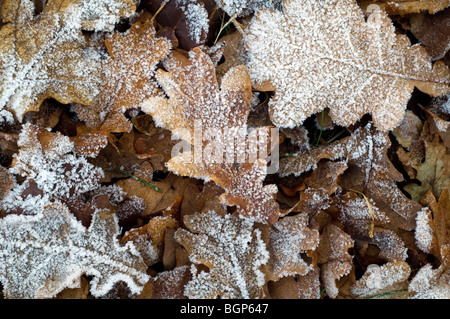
134 177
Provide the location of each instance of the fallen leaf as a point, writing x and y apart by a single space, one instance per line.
43 57
434 172
403 7
292 50
218 113
59 249
233 251
378 280
290 238
334 259
126 76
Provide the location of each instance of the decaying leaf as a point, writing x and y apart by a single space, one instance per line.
194 22
126 76
58 249
291 238
200 113
233 251
377 280
43 57
334 259
405 6
374 70
48 161
434 172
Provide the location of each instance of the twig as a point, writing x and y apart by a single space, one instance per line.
159 10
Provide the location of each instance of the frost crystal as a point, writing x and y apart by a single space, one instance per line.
245 7
55 168
233 250
42 254
321 54
198 19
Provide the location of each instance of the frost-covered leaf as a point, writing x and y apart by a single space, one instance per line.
291 237
42 254
434 172
369 171
196 99
433 224
127 76
402 7
233 251
242 8
49 159
43 57
194 22
52 171
377 280
167 284
431 283
365 222
208 118
373 69
334 259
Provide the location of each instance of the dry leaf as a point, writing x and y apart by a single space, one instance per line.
197 103
434 172
233 251
377 280
43 57
402 7
194 22
291 237
126 76
58 249
167 284
334 259
48 161
374 70
433 224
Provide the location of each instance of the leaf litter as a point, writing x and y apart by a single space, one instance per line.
96 96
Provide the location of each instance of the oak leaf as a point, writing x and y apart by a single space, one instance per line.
377 280
334 259
43 57
291 237
232 249
126 76
434 172
403 7
52 171
369 171
56 249
197 104
374 70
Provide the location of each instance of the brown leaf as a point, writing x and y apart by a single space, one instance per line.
167 284
197 103
334 259
291 237
295 50
233 251
43 57
433 224
378 280
403 7
127 77
194 22
434 172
